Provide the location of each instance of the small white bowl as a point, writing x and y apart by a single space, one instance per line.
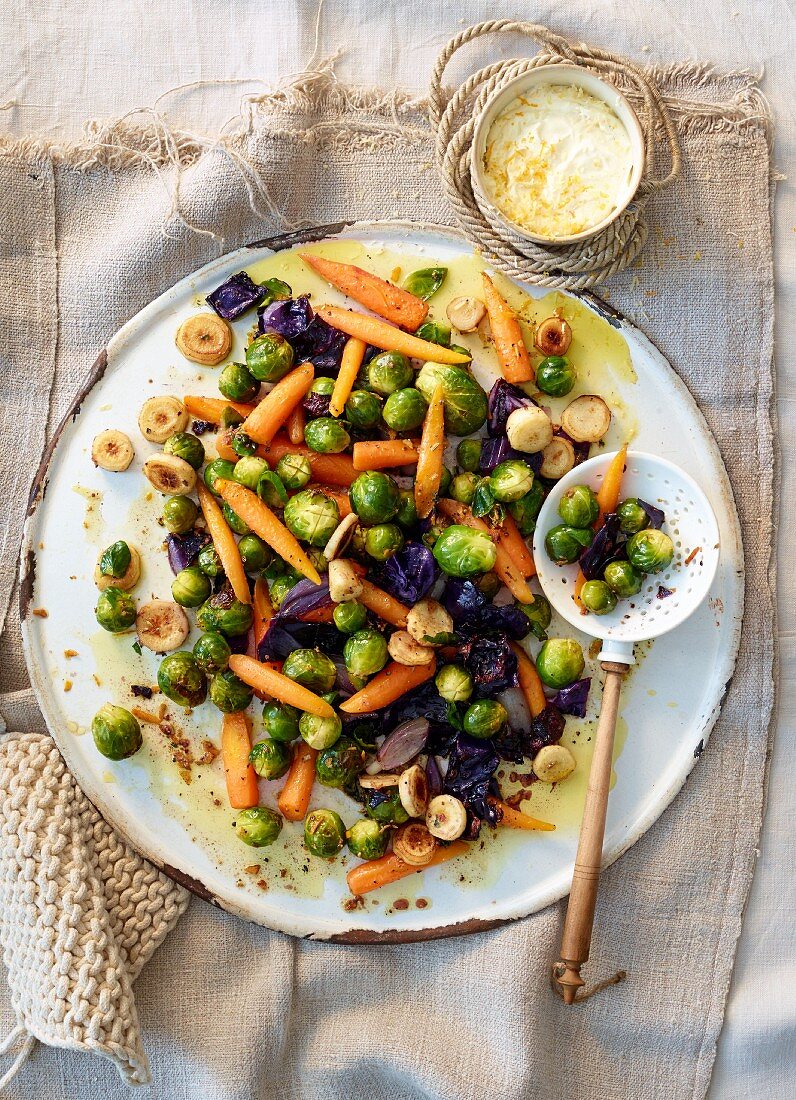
571 75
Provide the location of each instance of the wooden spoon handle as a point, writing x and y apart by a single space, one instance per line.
576 940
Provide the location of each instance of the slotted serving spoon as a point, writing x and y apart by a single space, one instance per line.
692 526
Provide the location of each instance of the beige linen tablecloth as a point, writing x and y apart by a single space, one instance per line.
470 1017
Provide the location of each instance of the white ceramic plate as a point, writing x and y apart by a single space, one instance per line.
669 707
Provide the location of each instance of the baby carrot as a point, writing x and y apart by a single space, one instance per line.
353 354
294 798
379 872
264 523
235 748
270 682
389 301
430 454
382 335
387 686
381 454
267 418
225 544
515 362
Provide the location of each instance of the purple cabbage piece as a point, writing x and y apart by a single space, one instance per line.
663 592
235 296
182 549
656 516
312 338
410 574
546 729
433 777
239 643
283 636
503 400
289 318
304 597
495 451
608 545
201 427
472 612
581 449
573 699
471 767
491 663
316 404
423 702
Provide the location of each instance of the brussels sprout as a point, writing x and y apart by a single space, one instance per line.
560 662
363 409
258 826
365 653
597 597
116 732
484 718
208 560
445 482
278 290
320 733
191 587
187 447
384 806
465 401
270 759
462 350
389 372
223 613
511 480
425 282
312 516
490 584
623 579
280 586
405 410
281 721
181 679
271 489
365 732
249 470
179 514
324 833
242 444
219 467
254 554
339 765
374 497
435 332
318 559
649 551
115 560
349 617
525 510
383 540
237 383
462 551
454 683
578 506
212 653
230 418
555 376
565 544
234 522
269 357
325 435
463 487
322 386
311 668
294 471
539 614
229 693
115 610
367 839
632 517
407 509
432 533
468 455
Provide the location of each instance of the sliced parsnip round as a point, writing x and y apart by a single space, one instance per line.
205 338
414 844
162 626
406 651
553 763
170 474
413 790
427 620
558 458
529 429
340 538
466 313
379 781
112 450
586 419
446 817
161 417
553 336
128 580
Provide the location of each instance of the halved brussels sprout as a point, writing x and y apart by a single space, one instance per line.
219 467
212 652
326 435
312 516
339 765
231 418
223 613
115 610
254 554
374 497
555 376
389 372
269 357
363 409
578 506
384 806
468 455
181 679
539 614
349 617
258 826
565 544
278 290
365 653
311 668
463 488
435 332
425 282
465 401
650 551
208 560
525 510
191 587
234 521
383 540
367 839
295 471
490 584
484 718
560 662
270 759
187 447
248 471
320 733
511 480
632 517
597 597
623 578
116 732
324 833
405 410
237 383
281 721
242 444
229 693
407 509
280 586
454 683
462 551
271 489
115 560
179 514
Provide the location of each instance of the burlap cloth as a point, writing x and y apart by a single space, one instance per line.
90 234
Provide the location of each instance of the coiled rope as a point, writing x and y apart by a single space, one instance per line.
575 266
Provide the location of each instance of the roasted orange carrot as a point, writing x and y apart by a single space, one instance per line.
262 608
379 872
372 330
390 302
504 565
515 363
508 536
268 417
430 454
330 469
224 542
211 408
607 499
381 454
236 743
294 798
514 819
353 354
273 683
384 605
257 515
319 615
295 425
387 686
530 681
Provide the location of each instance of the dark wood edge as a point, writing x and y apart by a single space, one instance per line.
301 236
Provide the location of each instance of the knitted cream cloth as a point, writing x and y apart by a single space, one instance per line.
88 913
